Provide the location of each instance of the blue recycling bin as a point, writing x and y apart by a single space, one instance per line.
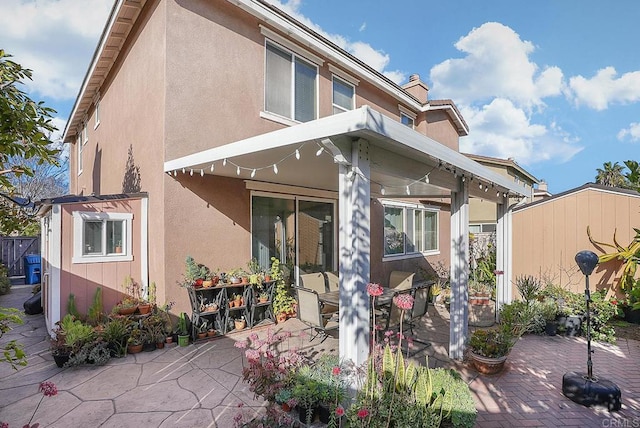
32 269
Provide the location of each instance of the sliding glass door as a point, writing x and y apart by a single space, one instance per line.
299 232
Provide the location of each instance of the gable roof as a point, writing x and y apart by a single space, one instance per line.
585 187
507 163
125 13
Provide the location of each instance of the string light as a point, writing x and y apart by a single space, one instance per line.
480 186
320 150
202 173
408 191
224 162
426 178
191 173
175 173
212 167
183 171
275 168
382 191
297 154
253 173
238 171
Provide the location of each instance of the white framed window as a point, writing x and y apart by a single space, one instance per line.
80 146
97 114
101 237
406 120
85 134
290 85
483 228
343 95
409 230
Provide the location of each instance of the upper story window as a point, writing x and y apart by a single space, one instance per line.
410 229
79 144
97 114
406 120
343 95
85 134
290 85
101 237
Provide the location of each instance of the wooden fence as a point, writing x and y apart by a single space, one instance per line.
14 248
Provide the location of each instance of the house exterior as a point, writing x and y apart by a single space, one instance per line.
550 232
253 136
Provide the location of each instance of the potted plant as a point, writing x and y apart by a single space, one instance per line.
126 306
489 348
255 272
60 350
263 297
240 323
549 309
202 329
283 302
183 333
135 341
118 247
115 334
237 299
307 393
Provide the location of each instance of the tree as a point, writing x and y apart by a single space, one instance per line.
610 175
25 129
633 176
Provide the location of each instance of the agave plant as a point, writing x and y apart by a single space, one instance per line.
629 255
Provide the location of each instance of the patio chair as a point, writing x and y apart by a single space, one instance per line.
420 306
316 282
401 280
333 281
311 312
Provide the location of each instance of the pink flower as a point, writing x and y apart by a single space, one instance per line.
374 289
4 425
48 389
363 413
241 344
404 301
339 411
498 272
336 371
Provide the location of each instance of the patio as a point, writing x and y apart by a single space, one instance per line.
201 385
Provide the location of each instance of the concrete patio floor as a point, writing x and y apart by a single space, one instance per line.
201 385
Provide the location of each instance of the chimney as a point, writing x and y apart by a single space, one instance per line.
542 186
417 88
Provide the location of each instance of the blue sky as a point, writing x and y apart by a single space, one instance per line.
553 84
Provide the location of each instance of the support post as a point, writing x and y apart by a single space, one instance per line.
504 251
355 254
459 309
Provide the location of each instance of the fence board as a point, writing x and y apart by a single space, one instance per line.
14 248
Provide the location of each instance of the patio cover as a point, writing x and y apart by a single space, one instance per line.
361 153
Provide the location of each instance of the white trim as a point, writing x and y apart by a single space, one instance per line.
85 133
278 39
278 119
410 114
79 218
144 245
451 110
408 223
345 83
273 188
344 76
55 263
459 269
96 112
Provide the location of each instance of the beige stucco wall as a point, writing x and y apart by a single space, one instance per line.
82 279
547 236
192 78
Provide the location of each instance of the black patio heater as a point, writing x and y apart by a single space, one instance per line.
585 388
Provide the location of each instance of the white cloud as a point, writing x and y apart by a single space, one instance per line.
501 129
605 88
632 132
496 65
375 58
52 37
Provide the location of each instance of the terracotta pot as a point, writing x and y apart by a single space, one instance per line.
202 335
127 311
240 324
144 308
267 278
211 333
262 300
169 339
207 284
486 365
134 349
286 407
281 317
159 345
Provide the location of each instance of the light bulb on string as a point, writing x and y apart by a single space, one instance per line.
486 188
297 154
212 167
253 173
238 171
224 162
426 178
183 171
275 168
191 173
408 190
202 173
175 173
319 152
382 191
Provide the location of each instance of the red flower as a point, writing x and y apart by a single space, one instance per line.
48 389
363 413
374 289
339 411
404 301
614 302
336 371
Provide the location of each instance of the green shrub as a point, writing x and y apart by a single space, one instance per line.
5 282
457 402
528 287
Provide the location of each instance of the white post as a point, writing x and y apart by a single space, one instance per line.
459 310
355 253
504 249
